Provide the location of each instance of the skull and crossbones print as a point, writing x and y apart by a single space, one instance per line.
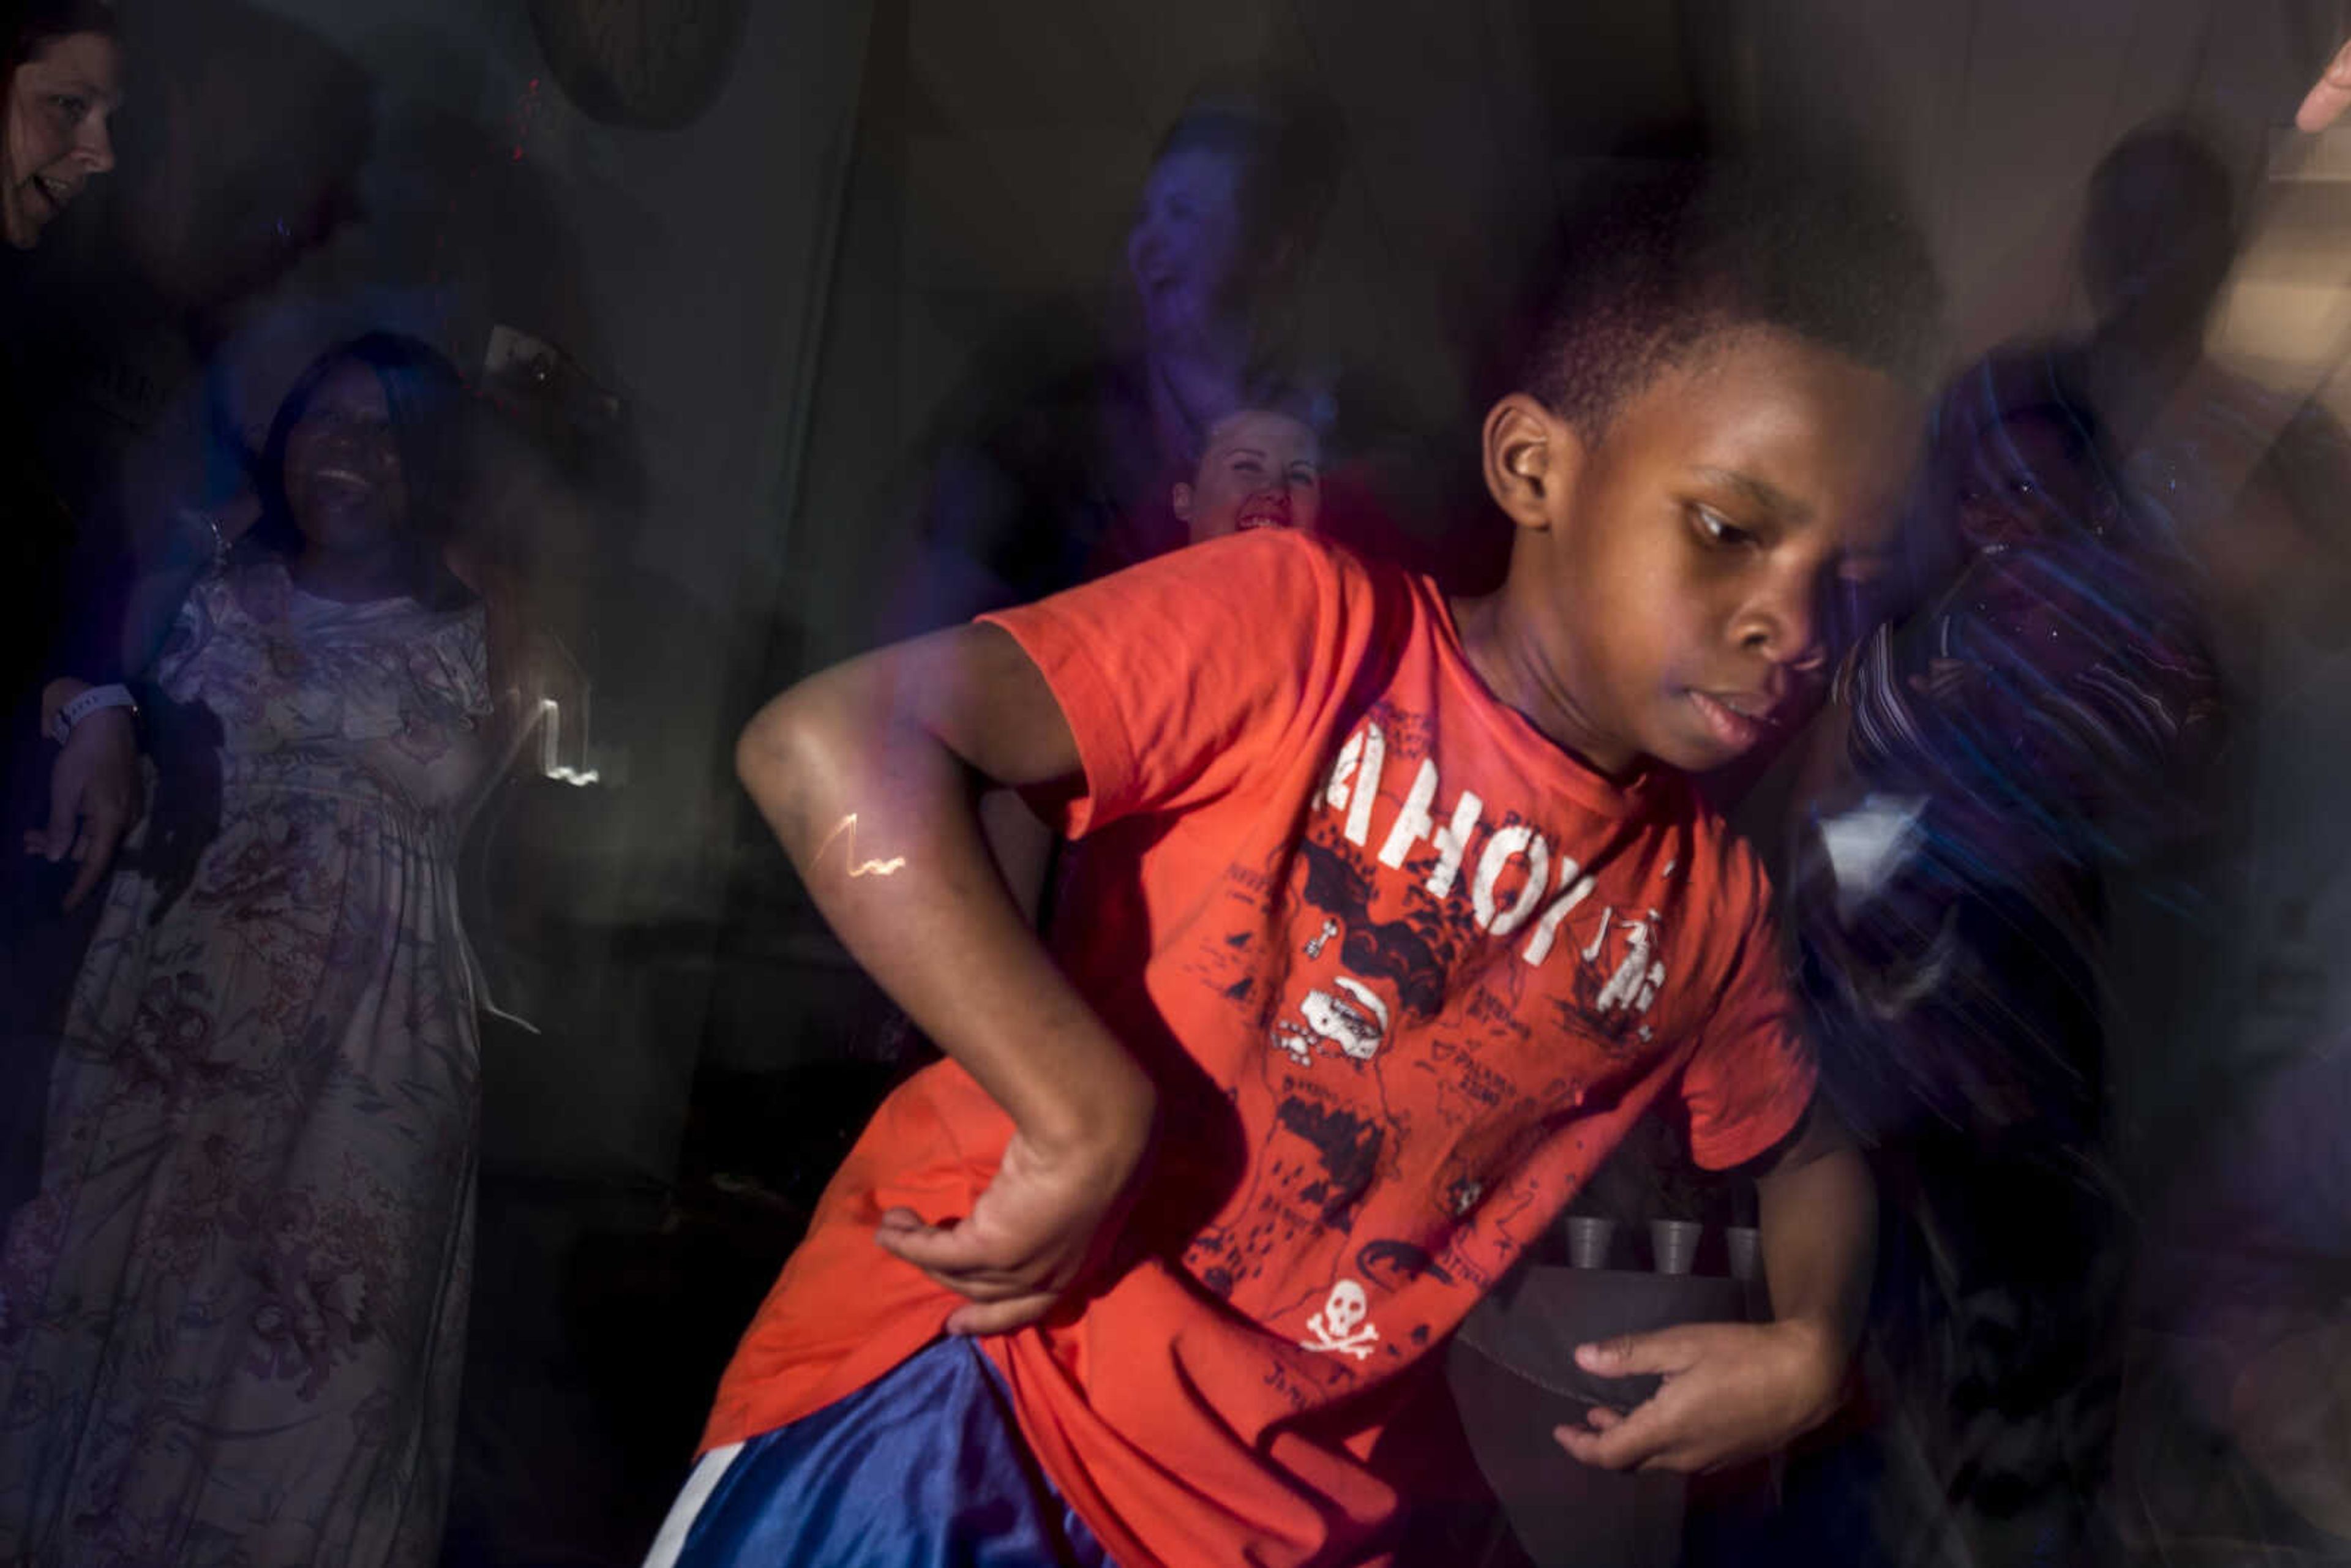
1342 1326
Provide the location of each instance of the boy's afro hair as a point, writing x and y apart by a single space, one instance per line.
1655 261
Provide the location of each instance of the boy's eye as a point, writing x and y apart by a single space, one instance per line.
72 108
1718 530
1305 474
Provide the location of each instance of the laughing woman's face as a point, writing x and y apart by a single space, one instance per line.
343 479
58 137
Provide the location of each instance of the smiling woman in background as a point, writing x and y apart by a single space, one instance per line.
1263 469
59 69
231 1320
1073 480
63 70
59 78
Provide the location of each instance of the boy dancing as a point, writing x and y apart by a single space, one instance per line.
1393 913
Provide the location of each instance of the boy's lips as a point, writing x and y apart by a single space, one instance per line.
1738 719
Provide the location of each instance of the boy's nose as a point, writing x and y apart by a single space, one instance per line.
1787 633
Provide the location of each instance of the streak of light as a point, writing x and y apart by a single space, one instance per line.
550 729
848 824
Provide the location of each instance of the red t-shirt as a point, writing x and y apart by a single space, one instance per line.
1405 971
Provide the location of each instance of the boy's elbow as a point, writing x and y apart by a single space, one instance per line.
767 751
814 736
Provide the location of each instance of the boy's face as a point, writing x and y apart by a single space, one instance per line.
1262 470
1666 591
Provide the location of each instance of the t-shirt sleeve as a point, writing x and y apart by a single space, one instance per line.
1181 677
1752 1077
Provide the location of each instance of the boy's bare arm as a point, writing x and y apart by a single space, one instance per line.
869 774
1820 1233
1734 1391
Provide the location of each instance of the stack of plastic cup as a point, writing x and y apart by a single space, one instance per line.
1587 1241
1746 1244
1675 1242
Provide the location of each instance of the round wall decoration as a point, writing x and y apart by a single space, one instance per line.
648 65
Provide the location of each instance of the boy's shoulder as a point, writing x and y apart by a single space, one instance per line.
1279 551
1268 586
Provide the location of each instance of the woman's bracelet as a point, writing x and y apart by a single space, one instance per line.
72 713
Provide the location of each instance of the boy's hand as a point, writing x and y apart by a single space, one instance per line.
1037 1230
1732 1391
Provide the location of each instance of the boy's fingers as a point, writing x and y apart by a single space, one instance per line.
1629 1443
955 1255
981 1286
926 1246
1001 1317
1600 1418
1664 1352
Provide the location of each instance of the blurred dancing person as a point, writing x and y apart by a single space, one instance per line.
1984 763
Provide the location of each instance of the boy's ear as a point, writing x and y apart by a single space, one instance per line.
1532 455
1181 499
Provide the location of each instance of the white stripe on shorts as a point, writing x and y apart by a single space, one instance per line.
699 1485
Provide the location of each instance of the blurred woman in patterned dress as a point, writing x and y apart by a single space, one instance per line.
231 1322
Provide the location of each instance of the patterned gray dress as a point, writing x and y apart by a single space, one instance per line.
232 1321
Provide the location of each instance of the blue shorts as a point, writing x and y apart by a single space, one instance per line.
925 1469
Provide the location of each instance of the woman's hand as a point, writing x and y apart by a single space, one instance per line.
95 791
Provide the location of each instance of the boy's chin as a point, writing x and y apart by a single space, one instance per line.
1699 760
1705 753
